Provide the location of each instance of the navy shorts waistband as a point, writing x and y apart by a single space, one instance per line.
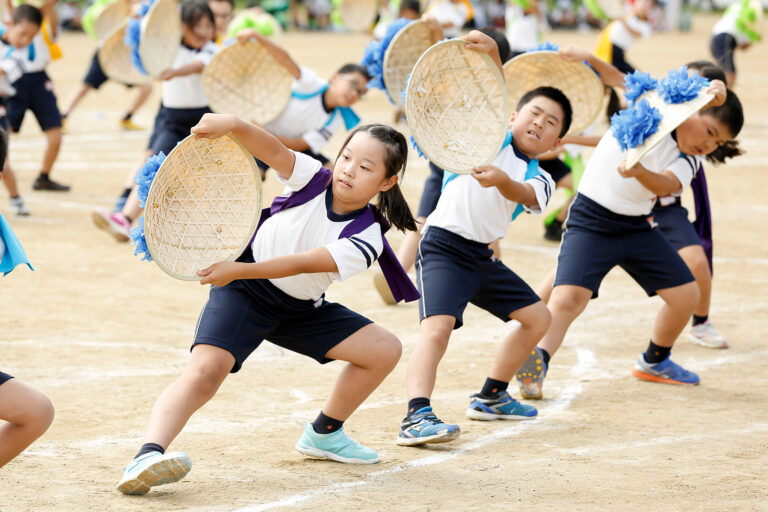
450 236
264 289
588 214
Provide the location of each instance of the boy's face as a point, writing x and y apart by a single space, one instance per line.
21 34
346 89
222 14
536 126
701 134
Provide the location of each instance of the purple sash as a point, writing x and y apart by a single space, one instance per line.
399 283
703 222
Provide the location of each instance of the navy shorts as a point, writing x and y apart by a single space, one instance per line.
433 187
722 47
317 156
34 91
4 377
172 125
239 316
95 76
674 224
453 271
597 239
556 168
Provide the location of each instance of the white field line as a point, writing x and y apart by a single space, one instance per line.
85 138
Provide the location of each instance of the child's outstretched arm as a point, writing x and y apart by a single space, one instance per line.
480 42
276 51
315 260
492 176
662 184
262 144
609 74
192 68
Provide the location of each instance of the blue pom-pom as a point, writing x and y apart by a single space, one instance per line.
417 148
678 87
146 175
133 34
137 235
631 127
546 45
636 84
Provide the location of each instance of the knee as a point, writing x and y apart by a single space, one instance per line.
565 303
389 351
691 297
540 322
39 416
206 378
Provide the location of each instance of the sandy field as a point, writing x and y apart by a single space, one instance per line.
102 334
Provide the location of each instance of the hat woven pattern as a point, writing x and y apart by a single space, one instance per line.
203 206
115 59
245 79
402 54
576 80
160 37
457 107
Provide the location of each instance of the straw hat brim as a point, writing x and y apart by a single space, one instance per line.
245 79
358 15
673 115
203 206
402 54
576 80
160 37
457 106
110 17
115 59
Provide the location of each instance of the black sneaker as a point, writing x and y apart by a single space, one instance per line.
43 182
554 232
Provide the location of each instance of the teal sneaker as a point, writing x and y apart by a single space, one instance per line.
530 376
153 468
500 407
424 427
666 371
336 446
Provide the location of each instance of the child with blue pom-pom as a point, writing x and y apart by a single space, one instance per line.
610 222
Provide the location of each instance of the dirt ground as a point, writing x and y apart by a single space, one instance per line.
102 334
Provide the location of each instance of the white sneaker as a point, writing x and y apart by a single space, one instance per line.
18 207
707 336
153 468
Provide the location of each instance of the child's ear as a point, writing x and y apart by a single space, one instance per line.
512 117
388 183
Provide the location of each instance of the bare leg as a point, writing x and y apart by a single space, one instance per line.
132 208
52 147
28 413
371 354
74 98
694 257
207 368
679 304
9 179
566 303
544 291
422 366
517 344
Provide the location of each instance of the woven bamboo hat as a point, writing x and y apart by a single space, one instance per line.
401 55
358 15
576 80
203 206
110 17
160 36
245 79
673 115
606 9
115 59
457 106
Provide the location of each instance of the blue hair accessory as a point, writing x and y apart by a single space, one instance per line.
133 34
137 235
637 84
373 57
678 87
632 127
417 148
146 175
546 45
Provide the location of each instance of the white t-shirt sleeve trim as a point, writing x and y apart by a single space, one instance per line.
356 253
303 169
543 186
684 168
206 53
308 82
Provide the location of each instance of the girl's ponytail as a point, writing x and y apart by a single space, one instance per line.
393 207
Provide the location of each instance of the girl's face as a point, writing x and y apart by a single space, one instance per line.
346 89
360 172
701 134
202 32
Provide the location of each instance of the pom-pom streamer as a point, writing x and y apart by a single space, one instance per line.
146 175
631 127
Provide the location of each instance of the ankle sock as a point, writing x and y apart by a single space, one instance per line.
493 387
417 403
656 354
545 355
149 447
325 424
127 116
697 320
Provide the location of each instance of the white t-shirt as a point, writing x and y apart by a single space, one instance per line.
603 184
622 37
307 118
727 25
312 225
522 29
483 214
16 62
187 91
445 11
683 163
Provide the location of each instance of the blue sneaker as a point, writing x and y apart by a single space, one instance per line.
530 376
424 427
501 407
666 371
336 446
153 468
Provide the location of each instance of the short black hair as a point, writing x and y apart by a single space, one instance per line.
354 68
555 95
26 12
192 11
3 148
730 113
505 51
410 5
707 69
